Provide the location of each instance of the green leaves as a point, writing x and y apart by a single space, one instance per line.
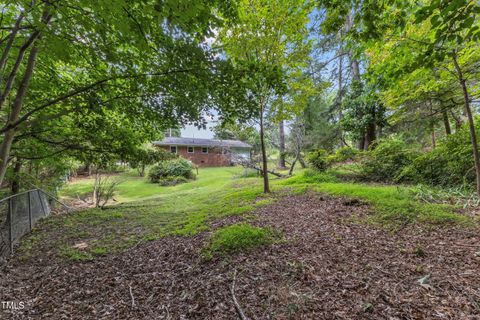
270 45
451 20
145 63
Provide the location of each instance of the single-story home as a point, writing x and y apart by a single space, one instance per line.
207 152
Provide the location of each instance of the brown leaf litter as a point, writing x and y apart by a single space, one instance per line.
327 267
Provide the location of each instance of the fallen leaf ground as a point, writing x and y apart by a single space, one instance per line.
327 266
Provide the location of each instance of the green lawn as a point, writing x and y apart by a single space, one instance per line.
147 211
134 187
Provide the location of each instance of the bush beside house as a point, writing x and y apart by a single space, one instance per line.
172 172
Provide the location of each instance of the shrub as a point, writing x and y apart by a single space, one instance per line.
388 159
172 180
238 237
346 153
318 159
450 163
104 188
171 168
459 196
311 177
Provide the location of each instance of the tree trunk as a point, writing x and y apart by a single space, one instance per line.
96 187
432 127
9 134
434 139
355 71
15 187
8 46
292 167
458 121
15 112
266 185
361 142
32 38
340 97
354 65
88 169
446 123
13 74
370 136
302 162
471 122
281 157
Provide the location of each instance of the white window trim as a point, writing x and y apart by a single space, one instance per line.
176 149
205 152
193 149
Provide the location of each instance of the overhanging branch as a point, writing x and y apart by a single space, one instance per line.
77 91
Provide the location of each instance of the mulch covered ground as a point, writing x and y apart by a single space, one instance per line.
327 267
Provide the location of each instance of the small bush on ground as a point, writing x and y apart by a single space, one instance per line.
171 168
345 153
104 189
388 159
318 159
237 237
311 176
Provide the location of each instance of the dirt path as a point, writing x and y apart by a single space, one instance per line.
328 267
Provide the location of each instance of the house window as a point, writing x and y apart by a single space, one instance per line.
190 149
204 149
173 149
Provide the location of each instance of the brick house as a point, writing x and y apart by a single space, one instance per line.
207 152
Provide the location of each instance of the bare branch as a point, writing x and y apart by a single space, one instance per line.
240 312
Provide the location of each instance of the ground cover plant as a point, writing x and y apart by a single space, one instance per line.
238 237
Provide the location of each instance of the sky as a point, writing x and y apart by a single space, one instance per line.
190 131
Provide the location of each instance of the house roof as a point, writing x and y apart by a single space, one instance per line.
202 142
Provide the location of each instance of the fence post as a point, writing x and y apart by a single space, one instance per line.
41 202
10 218
30 211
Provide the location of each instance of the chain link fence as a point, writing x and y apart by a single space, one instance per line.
18 215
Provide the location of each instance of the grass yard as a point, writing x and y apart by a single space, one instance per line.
147 211
134 187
